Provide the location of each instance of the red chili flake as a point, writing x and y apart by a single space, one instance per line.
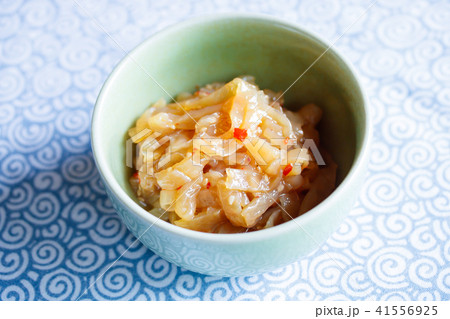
208 185
240 134
136 175
287 169
179 187
286 140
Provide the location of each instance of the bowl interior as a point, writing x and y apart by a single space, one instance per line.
218 50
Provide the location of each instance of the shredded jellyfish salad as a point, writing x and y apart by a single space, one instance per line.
229 158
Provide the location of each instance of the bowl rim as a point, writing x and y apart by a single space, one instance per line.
357 167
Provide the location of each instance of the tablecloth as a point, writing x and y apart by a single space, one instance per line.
59 233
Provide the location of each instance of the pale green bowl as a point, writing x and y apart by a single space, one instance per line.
218 48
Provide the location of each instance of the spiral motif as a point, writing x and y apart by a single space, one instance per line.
83 214
47 254
108 229
441 121
78 169
44 209
186 287
382 157
427 50
381 63
394 226
419 77
57 229
385 192
18 292
345 233
104 205
76 145
51 81
420 105
423 239
67 24
72 98
218 291
88 79
394 93
326 271
86 258
116 283
47 181
356 282
420 184
150 239
398 128
12 83
198 260
422 271
400 32
39 113
15 50
15 234
20 197
156 272
48 46
72 123
79 54
135 248
387 267
417 154
38 14
367 244
13 264
29 138
60 285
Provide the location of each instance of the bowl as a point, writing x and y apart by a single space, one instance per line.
219 48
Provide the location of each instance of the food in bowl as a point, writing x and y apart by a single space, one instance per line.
229 158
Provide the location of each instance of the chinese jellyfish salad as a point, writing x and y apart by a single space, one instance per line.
229 158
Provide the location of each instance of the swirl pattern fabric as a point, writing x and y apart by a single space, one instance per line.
59 232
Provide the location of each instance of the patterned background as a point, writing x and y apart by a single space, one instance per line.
58 231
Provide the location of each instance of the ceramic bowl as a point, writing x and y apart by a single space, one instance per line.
218 48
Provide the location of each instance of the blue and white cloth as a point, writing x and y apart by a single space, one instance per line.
59 233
